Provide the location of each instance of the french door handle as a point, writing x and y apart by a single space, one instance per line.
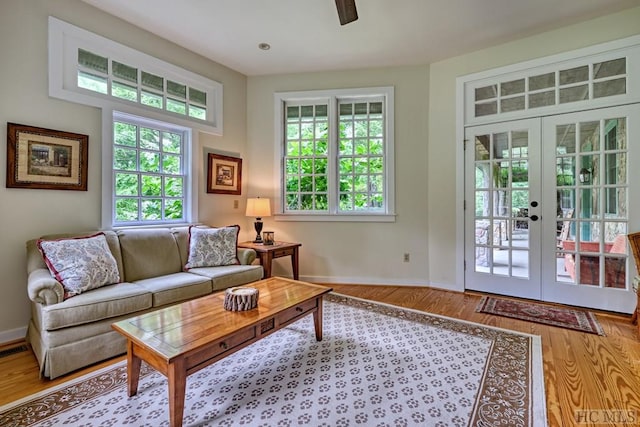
534 217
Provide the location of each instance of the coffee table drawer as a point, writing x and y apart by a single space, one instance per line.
298 310
216 348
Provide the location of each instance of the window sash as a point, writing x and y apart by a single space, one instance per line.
310 177
149 157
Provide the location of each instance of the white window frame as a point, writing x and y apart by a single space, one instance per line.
65 40
108 197
331 97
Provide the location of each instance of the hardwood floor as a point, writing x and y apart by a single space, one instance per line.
583 372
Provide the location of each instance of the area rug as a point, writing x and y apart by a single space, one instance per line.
569 318
378 365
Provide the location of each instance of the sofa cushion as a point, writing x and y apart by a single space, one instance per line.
213 247
148 253
176 287
99 304
230 275
80 263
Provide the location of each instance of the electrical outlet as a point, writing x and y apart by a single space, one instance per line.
406 257
235 204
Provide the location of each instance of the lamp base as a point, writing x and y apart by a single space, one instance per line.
258 227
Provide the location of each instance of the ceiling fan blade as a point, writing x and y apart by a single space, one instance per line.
346 11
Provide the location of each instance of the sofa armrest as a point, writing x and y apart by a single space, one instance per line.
246 256
44 289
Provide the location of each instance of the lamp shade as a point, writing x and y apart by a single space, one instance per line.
258 207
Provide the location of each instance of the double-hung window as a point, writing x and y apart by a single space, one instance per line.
336 155
150 172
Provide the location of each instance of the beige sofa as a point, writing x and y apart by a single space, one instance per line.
67 334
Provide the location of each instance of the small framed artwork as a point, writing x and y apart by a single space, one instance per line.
224 174
46 159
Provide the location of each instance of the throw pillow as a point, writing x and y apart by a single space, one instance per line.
80 263
213 247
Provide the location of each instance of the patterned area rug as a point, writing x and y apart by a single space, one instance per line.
378 365
578 320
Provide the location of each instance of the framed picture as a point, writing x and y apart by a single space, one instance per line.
46 159
224 174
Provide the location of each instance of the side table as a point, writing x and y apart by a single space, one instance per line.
266 254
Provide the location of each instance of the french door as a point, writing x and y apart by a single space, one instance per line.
548 207
502 193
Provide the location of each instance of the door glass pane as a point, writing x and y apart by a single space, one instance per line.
566 139
615 134
520 144
482 147
615 168
589 172
589 206
591 244
501 204
500 146
589 136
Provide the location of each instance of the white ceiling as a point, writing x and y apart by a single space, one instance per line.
305 35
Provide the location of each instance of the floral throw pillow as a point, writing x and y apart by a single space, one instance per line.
80 263
213 247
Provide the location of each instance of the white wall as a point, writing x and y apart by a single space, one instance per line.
26 214
444 238
345 251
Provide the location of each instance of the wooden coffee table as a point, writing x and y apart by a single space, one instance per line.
182 339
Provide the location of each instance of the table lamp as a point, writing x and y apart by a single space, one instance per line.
258 208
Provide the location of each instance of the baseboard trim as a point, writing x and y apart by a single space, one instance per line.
13 335
362 281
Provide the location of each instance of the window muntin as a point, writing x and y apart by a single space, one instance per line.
337 153
149 172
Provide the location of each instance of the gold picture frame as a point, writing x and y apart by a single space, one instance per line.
46 159
224 174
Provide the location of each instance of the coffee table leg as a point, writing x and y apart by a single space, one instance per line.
177 377
317 320
133 370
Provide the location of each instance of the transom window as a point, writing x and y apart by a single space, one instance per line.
337 153
586 79
92 70
107 76
149 172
